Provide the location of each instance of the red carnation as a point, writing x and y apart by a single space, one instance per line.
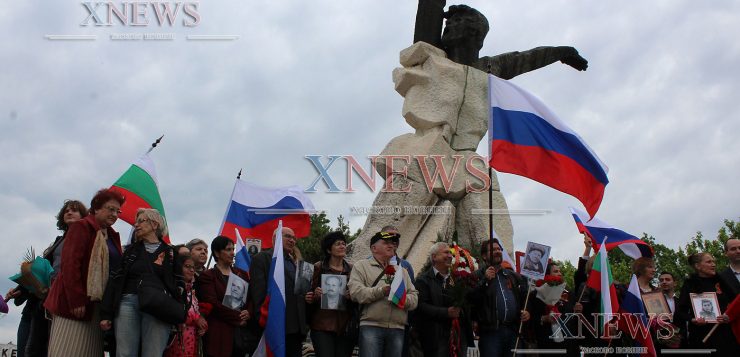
390 270
205 308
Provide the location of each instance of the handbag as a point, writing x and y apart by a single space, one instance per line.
155 300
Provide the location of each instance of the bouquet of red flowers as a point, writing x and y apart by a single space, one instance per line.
462 280
462 277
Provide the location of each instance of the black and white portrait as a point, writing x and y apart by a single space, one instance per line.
705 306
332 291
535 260
254 246
303 276
236 292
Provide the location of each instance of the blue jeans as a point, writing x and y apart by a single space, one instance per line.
380 342
499 342
131 324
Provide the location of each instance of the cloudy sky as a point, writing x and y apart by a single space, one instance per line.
314 77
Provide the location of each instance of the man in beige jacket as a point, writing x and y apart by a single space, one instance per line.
381 322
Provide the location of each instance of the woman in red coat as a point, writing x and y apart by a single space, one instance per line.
91 249
228 312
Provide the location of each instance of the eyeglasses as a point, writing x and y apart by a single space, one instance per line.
290 236
113 209
139 221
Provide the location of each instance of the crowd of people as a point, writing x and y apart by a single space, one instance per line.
101 298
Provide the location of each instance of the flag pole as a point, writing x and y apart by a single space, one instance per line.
521 323
154 144
238 176
490 171
490 215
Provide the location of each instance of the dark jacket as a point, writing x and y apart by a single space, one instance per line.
119 277
431 321
483 297
69 288
722 339
730 285
329 320
295 306
222 320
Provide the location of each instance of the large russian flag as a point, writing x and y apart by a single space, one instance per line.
272 316
528 139
255 211
599 230
638 328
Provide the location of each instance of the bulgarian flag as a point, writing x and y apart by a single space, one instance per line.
139 185
600 279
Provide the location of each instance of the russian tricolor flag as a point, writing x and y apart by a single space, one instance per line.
398 289
638 328
528 139
597 230
255 211
272 315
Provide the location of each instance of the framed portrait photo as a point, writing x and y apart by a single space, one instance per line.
705 306
332 291
534 261
655 303
254 246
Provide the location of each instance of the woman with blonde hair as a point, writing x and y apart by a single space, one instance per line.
149 256
91 249
704 280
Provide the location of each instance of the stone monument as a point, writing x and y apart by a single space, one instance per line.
444 83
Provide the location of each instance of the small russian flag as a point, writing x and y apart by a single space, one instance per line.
398 289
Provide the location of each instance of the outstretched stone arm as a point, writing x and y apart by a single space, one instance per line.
511 64
429 21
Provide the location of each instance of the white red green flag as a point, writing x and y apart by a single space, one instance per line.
139 185
600 279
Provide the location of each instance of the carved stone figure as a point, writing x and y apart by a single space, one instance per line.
445 87
462 39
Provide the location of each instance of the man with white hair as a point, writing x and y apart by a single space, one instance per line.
296 326
381 322
433 318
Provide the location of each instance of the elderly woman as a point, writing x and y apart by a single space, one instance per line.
91 249
186 343
199 252
328 326
227 314
135 329
704 279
